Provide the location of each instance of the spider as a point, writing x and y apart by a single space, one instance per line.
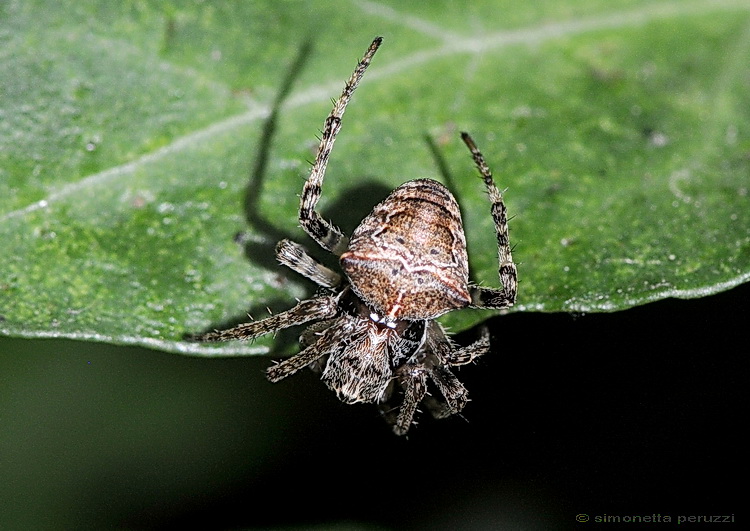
373 335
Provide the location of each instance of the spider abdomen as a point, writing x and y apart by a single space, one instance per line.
407 259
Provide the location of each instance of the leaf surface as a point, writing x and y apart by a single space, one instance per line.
129 132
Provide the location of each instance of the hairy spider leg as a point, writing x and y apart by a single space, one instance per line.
295 257
310 354
469 353
506 296
323 307
328 236
413 380
455 393
440 354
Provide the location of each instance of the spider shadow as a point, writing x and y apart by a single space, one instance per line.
261 251
260 243
260 247
346 212
440 162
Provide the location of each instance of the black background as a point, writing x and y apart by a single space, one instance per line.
635 413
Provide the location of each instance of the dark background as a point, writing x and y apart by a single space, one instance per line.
632 413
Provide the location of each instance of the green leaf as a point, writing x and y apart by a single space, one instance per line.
129 131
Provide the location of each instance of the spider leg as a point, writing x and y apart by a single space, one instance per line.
312 332
413 380
294 256
307 310
327 235
469 353
289 366
455 394
447 353
489 297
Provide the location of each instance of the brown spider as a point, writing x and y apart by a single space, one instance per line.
404 266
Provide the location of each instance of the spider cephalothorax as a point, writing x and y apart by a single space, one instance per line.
373 335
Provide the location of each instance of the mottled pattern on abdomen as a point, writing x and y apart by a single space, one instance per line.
408 257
